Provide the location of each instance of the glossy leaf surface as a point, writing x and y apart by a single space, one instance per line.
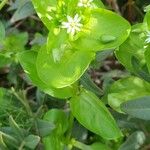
92 114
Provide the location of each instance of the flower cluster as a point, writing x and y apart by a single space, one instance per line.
73 24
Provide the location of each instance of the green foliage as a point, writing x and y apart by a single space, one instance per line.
55 139
134 141
88 109
138 108
27 60
2 31
61 87
125 90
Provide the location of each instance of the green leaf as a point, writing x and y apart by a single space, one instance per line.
4 60
134 141
138 107
15 42
45 127
27 60
2 31
23 11
32 141
127 89
55 138
88 84
53 142
59 119
16 129
63 65
104 30
8 140
43 9
139 71
87 108
2 144
133 46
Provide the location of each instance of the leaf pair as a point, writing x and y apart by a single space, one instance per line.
101 30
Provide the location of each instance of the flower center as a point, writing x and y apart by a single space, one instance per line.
73 24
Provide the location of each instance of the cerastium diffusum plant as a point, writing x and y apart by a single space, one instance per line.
79 30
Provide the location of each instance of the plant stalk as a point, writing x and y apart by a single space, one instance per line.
2 4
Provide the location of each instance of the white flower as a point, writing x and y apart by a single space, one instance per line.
148 37
85 3
72 25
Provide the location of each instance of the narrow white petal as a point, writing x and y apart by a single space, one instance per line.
90 1
65 25
72 31
76 18
69 30
70 19
147 40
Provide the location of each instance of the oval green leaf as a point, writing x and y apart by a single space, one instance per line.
133 46
27 60
104 30
62 67
127 89
92 114
139 108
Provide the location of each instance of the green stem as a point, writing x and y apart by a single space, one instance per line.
21 146
2 4
24 102
71 121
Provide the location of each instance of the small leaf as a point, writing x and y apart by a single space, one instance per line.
107 38
133 46
139 71
4 60
88 84
32 141
45 127
23 11
134 141
93 115
59 119
125 90
139 108
55 139
53 142
15 42
16 129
